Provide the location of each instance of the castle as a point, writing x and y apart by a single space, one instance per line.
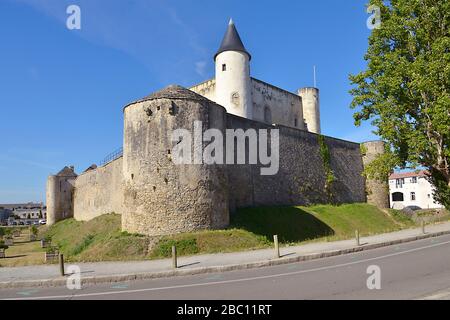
156 196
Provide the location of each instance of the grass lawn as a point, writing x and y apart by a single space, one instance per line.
102 240
23 252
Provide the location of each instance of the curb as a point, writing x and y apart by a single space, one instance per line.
57 282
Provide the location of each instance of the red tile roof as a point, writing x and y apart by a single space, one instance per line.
400 175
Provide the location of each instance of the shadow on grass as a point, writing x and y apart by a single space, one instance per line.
291 224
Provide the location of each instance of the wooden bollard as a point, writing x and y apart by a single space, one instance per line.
358 243
277 246
174 257
61 265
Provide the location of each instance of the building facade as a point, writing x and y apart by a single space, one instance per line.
411 189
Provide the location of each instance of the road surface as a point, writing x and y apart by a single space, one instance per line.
415 270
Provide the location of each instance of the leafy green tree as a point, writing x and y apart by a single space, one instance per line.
404 90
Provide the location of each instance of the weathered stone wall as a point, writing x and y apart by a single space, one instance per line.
206 89
301 178
59 196
377 191
162 197
99 191
273 105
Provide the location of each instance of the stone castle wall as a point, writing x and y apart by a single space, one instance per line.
99 191
377 191
270 103
156 196
162 197
301 178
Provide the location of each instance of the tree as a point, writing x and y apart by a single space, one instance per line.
404 90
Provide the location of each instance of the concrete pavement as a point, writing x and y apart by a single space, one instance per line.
412 270
94 273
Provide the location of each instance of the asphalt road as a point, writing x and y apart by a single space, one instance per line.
415 270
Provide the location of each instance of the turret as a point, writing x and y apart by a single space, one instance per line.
311 108
60 195
377 191
233 85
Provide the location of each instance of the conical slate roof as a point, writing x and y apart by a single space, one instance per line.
232 41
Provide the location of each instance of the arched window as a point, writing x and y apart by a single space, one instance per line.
397 196
267 115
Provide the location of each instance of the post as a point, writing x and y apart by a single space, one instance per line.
174 257
61 264
423 227
277 246
358 243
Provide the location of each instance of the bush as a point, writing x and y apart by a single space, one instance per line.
3 246
34 230
52 250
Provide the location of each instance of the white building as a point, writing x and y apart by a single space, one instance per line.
244 96
411 189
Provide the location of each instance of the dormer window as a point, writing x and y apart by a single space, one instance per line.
224 67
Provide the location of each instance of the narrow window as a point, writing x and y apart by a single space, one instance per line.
224 67
413 196
296 122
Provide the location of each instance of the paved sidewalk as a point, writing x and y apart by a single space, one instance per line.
118 271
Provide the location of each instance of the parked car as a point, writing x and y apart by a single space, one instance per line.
35 223
20 223
42 221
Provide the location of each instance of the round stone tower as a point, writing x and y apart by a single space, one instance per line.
59 194
233 85
377 191
311 108
163 197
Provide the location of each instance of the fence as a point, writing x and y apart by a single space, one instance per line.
111 157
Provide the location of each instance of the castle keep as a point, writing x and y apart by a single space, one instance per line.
156 197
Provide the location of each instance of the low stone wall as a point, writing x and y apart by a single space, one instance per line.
99 191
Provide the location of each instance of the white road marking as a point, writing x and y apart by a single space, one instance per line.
231 281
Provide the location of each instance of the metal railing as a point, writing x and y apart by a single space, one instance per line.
111 157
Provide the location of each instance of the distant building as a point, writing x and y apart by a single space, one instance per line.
29 210
411 189
4 214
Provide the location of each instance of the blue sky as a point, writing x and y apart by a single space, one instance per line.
62 91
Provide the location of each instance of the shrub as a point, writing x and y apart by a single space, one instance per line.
52 250
34 230
3 246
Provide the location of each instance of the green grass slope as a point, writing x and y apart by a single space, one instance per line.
253 228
